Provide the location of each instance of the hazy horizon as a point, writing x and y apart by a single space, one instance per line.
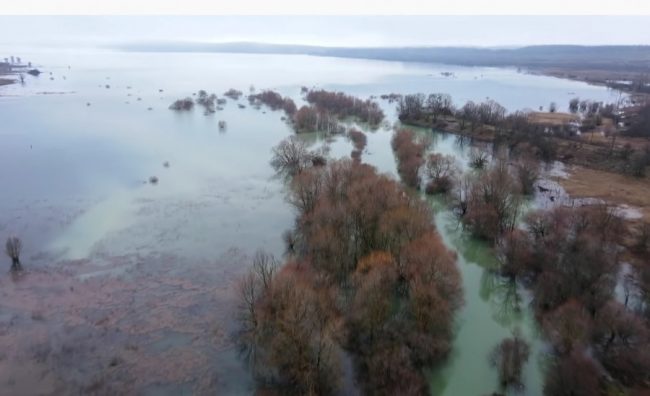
331 31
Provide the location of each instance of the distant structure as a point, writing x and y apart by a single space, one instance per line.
18 60
13 61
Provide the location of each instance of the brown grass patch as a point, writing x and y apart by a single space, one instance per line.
612 187
555 119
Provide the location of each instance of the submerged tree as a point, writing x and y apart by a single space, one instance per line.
509 357
290 157
492 202
574 375
12 248
441 170
410 156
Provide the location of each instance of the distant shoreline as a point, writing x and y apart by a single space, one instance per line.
598 65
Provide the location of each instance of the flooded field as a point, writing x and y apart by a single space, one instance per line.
128 285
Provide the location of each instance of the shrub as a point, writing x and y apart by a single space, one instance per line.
233 94
182 104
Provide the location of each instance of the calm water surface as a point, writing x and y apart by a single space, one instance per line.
79 144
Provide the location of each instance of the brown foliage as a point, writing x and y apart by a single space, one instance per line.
305 119
568 327
509 357
410 156
342 105
573 375
358 138
273 100
369 251
570 257
441 170
288 330
514 253
623 344
492 202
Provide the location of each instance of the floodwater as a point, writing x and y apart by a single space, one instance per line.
129 285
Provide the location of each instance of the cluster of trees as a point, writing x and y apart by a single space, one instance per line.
367 276
233 94
488 201
524 138
182 104
273 100
342 105
419 108
569 257
409 152
640 125
207 101
391 97
589 108
512 130
488 113
326 109
312 118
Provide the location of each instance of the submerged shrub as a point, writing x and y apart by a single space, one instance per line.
509 357
182 104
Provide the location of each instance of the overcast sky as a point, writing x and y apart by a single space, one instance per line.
332 31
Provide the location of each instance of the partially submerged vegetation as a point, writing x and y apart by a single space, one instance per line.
13 247
509 357
342 106
409 153
359 140
274 101
545 136
327 109
367 276
182 104
570 259
233 94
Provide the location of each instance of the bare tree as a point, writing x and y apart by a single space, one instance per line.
290 156
12 248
